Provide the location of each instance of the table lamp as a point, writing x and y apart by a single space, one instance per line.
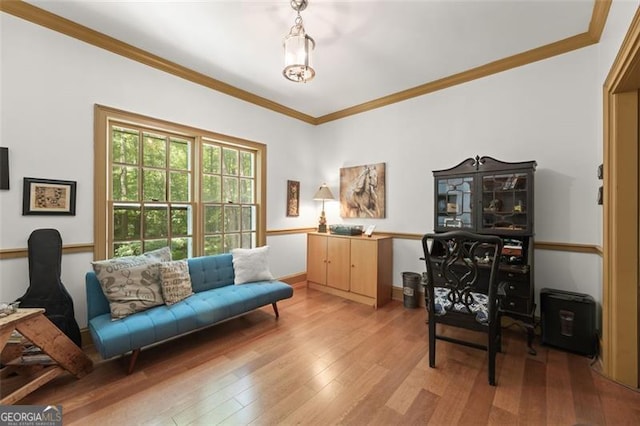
323 193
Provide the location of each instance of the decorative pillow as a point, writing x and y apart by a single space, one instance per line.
131 288
175 281
162 254
250 265
120 278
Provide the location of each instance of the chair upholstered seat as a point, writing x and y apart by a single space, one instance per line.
478 305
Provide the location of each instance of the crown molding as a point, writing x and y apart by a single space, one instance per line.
553 49
65 26
599 18
62 25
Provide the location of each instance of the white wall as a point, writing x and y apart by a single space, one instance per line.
50 84
550 111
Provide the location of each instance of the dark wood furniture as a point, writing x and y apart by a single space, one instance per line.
462 289
493 197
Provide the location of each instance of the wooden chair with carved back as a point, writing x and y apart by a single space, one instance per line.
461 289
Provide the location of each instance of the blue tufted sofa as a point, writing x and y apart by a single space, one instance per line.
215 299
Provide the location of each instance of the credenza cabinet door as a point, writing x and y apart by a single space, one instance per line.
338 272
364 271
317 259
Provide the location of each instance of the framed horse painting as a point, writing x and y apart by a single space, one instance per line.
362 191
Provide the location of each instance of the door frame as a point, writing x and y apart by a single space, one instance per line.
620 301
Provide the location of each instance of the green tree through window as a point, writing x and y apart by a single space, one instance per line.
162 183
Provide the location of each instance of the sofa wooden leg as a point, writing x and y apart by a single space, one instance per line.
132 360
275 309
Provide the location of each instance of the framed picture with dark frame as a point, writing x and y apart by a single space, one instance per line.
48 197
293 198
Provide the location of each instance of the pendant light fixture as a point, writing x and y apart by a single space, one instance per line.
298 47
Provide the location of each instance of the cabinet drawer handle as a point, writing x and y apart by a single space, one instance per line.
512 287
512 304
510 275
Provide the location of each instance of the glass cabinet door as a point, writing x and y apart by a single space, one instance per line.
454 202
505 199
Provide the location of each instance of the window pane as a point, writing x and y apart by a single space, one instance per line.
248 240
180 220
181 248
230 190
248 218
212 219
179 154
179 186
246 191
231 218
213 245
211 189
154 151
124 145
154 244
246 164
231 241
155 222
124 181
230 161
211 159
131 248
154 182
126 223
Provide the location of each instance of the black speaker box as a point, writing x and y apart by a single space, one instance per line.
568 321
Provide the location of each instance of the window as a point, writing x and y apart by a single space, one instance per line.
160 184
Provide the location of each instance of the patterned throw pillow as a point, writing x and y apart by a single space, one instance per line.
250 265
175 281
132 283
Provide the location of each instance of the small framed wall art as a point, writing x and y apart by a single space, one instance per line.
293 198
48 197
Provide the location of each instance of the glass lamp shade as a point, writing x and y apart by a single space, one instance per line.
298 47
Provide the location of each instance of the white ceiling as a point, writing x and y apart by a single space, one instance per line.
364 49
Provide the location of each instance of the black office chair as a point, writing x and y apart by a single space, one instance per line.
461 289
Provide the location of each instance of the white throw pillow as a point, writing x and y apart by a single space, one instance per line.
250 265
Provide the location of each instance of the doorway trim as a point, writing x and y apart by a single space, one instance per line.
620 296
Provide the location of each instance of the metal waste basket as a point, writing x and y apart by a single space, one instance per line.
410 285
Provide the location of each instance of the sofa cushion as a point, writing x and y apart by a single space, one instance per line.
132 289
209 272
200 310
132 283
175 281
251 265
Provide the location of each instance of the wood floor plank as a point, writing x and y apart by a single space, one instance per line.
585 395
533 398
330 361
560 410
510 375
478 407
451 403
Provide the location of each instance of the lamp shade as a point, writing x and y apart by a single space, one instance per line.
323 193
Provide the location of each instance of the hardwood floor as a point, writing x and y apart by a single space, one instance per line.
332 361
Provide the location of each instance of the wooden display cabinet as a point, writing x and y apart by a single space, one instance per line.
489 196
354 267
